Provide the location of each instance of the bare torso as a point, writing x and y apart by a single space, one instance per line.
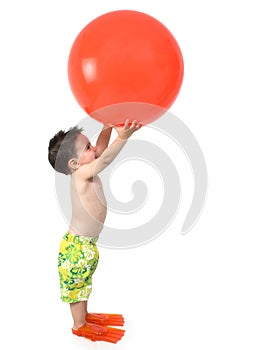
88 206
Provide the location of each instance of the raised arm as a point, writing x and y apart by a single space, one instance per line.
91 169
103 140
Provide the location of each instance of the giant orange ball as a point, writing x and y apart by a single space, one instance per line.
129 61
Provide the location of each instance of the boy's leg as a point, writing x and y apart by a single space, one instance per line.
79 312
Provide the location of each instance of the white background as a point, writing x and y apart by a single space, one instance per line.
198 291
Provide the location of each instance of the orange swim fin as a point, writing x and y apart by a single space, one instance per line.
98 332
105 319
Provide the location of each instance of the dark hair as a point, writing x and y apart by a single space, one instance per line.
62 148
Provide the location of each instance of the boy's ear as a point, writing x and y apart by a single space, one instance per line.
73 164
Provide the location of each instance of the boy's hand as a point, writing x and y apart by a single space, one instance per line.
125 131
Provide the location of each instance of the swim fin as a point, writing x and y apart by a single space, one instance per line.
98 332
105 319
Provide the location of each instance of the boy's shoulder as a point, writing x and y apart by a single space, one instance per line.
80 174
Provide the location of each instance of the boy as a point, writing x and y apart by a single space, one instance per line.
71 153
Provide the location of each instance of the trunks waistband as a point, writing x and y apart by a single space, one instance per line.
77 239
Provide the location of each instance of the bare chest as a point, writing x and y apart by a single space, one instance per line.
89 191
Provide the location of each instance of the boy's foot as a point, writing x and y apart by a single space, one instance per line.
103 333
105 319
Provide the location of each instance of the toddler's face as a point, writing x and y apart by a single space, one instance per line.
85 151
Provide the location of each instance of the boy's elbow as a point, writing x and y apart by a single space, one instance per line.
105 160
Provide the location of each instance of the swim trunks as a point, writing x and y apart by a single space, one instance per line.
77 260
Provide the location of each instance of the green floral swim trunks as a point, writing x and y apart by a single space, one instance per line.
77 260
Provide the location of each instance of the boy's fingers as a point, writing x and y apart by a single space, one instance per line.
133 125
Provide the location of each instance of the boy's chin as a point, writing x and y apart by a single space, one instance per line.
88 161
